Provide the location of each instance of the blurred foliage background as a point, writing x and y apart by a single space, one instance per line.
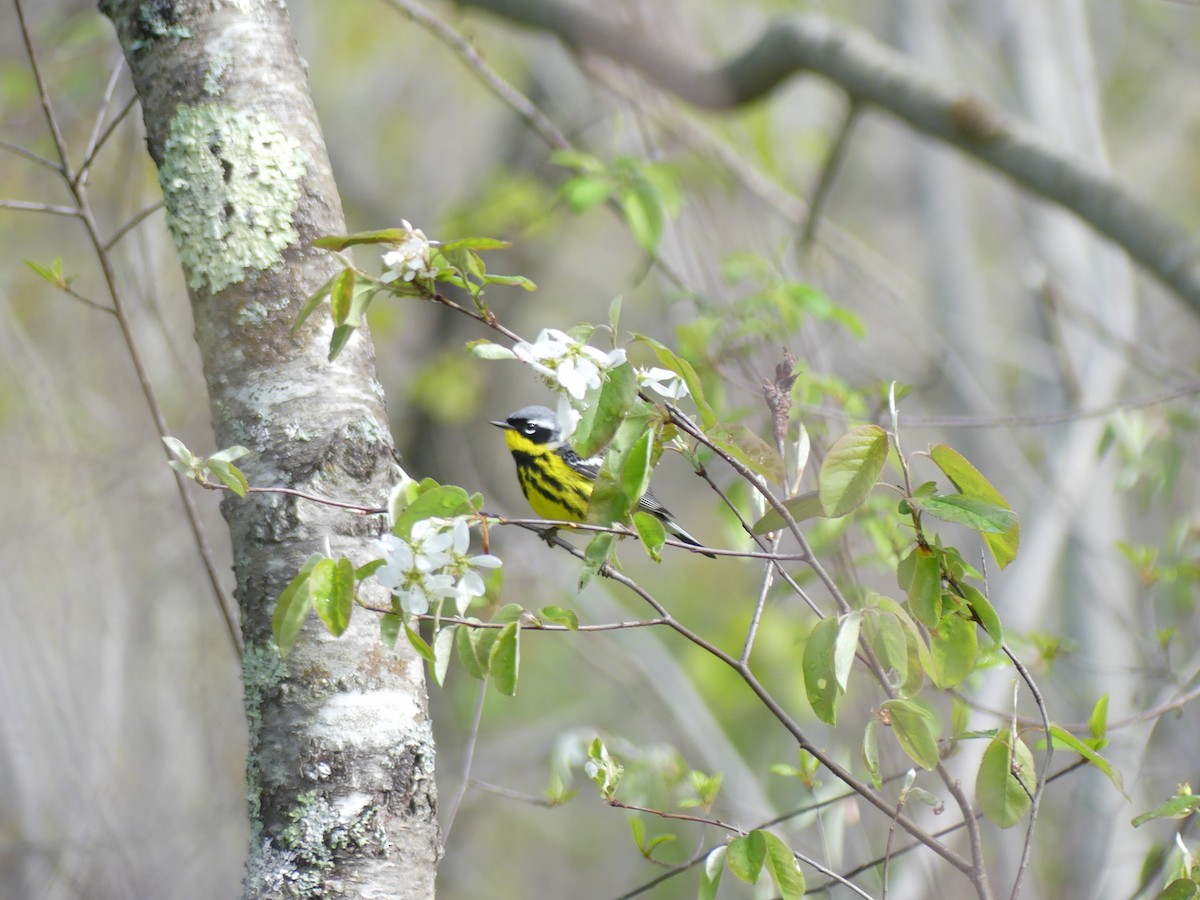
122 736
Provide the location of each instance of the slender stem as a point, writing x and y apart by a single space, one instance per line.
829 173
79 191
47 208
468 762
132 224
98 138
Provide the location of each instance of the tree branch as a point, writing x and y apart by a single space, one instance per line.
873 74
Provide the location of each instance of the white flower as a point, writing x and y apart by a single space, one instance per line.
663 382
571 363
410 258
410 571
470 583
433 564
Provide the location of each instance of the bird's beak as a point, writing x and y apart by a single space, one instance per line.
500 424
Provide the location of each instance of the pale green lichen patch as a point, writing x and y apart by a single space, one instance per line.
217 67
231 184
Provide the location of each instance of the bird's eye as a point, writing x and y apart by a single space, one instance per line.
530 428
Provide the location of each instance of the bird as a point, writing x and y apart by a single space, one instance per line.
556 480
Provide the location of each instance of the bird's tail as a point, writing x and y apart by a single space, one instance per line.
685 537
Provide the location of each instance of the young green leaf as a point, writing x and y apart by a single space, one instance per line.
504 660
681 367
467 644
1006 781
1064 738
602 418
293 605
851 469
710 874
334 604
972 484
925 590
915 729
746 855
845 647
801 507
870 752
1098 720
652 533
559 616
230 475
984 611
389 628
781 864
1178 807
984 517
418 644
954 647
820 679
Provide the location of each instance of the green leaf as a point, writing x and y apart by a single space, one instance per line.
1180 889
845 647
335 602
1005 797
1064 738
925 591
598 552
1178 807
820 680
915 729
887 637
389 628
341 242
747 447
710 874
467 644
474 243
1098 720
443 501
510 281
229 474
504 660
420 646
746 855
340 296
984 611
781 864
919 659
559 616
801 507
310 305
851 469
954 648
583 192
962 510
229 454
643 213
635 475
366 570
52 273
489 350
652 533
179 450
602 419
972 484
614 316
610 501
341 334
293 605
443 647
870 752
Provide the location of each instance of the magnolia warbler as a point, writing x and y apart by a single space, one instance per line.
556 481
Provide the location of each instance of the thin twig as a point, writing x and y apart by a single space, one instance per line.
133 223
98 138
468 761
518 102
47 208
829 173
78 190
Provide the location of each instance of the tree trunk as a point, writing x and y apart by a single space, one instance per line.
341 790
